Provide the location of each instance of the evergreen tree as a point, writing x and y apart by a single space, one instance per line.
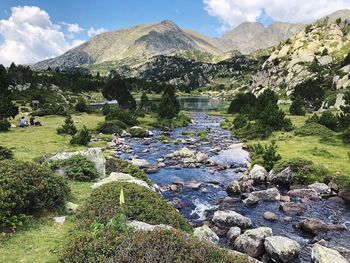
83 137
297 108
346 108
169 106
144 102
7 108
68 127
119 89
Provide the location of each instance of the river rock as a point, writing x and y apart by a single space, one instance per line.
293 207
251 241
321 254
281 249
283 178
125 134
258 173
345 195
234 188
194 185
227 219
184 153
141 163
302 193
321 189
316 226
142 226
271 194
204 233
140 132
233 233
270 216
94 155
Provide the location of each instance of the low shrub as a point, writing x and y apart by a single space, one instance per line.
140 204
155 246
110 127
50 109
122 166
116 113
82 106
305 170
346 136
314 129
329 120
254 130
297 108
78 168
5 153
27 188
68 127
83 137
268 154
180 121
137 131
5 125
240 121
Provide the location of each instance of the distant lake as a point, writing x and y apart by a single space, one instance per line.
193 103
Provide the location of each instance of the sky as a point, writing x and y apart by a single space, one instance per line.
33 30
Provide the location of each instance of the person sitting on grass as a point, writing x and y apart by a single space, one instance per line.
23 122
33 122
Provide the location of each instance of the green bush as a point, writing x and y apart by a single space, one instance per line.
243 103
116 113
346 136
110 127
314 129
50 109
27 188
122 166
297 108
305 170
78 168
83 137
329 120
68 127
140 204
5 153
240 121
255 130
82 106
180 121
169 106
155 246
268 154
5 125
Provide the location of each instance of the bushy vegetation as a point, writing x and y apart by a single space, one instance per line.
254 130
140 204
83 137
77 168
243 103
118 89
51 109
111 127
5 125
346 136
266 155
314 129
113 113
27 188
5 153
180 121
305 171
169 106
240 121
122 166
82 106
68 127
297 108
155 246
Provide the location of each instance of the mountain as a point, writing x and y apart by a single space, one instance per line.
136 45
251 36
321 50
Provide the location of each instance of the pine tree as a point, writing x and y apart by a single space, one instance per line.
144 102
169 106
68 127
83 137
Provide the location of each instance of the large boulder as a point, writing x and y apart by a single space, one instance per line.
283 178
94 155
321 188
281 249
321 254
184 153
140 132
233 233
141 163
302 193
204 233
258 173
316 226
271 194
251 241
227 219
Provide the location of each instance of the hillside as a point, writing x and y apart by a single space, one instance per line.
318 51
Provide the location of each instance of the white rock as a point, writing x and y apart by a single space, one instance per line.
60 219
142 226
282 249
321 254
204 233
233 233
141 163
228 219
258 173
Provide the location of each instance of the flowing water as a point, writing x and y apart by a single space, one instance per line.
199 204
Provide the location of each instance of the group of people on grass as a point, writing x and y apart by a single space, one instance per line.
32 122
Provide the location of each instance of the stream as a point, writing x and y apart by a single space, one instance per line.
203 188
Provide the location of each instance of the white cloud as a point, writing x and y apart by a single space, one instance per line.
72 28
93 32
30 36
233 12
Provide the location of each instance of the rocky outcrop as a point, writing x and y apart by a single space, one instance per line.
321 189
228 219
285 177
251 241
94 155
321 254
204 233
281 249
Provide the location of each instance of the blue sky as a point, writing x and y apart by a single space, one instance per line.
116 14
34 30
